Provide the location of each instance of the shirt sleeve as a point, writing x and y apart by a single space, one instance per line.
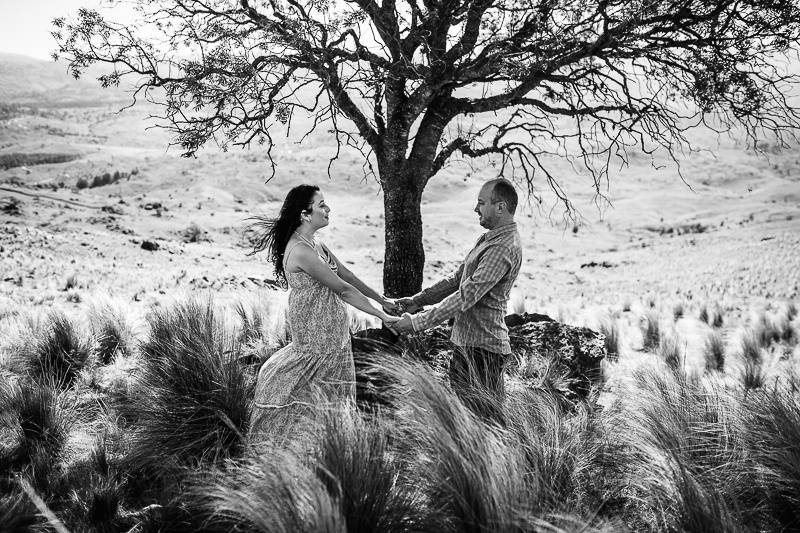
439 291
492 266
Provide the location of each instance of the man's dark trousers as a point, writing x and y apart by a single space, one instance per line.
476 376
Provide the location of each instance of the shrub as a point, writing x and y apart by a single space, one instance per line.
192 398
194 233
10 205
714 353
71 282
651 332
82 183
678 310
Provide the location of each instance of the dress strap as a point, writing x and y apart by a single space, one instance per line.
288 252
327 259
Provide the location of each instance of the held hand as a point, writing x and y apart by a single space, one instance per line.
408 305
389 319
391 306
389 322
403 325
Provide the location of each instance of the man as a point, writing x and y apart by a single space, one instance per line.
476 297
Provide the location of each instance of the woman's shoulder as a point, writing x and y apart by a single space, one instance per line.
297 252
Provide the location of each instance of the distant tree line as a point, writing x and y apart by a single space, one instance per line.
16 159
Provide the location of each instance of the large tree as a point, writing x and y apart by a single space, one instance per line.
414 83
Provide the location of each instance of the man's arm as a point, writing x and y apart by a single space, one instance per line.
440 290
493 265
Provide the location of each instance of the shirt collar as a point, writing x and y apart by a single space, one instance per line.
498 232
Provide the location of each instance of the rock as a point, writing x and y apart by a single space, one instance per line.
150 246
113 209
515 319
577 353
10 205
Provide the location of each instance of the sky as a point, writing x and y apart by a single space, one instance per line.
25 25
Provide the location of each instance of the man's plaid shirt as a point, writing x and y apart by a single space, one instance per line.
476 295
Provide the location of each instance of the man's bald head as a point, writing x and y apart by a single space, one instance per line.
503 191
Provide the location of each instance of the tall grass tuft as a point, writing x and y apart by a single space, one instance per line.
766 332
771 422
791 311
111 332
678 311
670 350
368 479
753 374
703 316
786 331
686 458
252 331
558 449
191 399
56 353
651 331
611 341
481 475
717 319
17 512
272 492
699 506
36 422
714 352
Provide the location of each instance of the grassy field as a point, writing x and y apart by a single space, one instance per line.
132 324
126 423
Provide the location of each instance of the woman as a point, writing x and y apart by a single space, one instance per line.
316 370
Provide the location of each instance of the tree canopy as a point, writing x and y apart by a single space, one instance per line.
415 83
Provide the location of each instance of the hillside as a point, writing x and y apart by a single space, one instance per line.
729 234
33 82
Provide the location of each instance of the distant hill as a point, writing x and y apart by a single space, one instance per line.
30 81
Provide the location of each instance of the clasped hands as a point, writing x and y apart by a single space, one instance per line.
401 324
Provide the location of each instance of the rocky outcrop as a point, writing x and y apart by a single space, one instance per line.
573 353
576 352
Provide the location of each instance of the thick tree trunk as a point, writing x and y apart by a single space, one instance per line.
404 258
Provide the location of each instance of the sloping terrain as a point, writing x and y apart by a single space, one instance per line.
728 234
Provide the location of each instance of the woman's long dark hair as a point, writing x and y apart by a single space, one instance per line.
274 233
